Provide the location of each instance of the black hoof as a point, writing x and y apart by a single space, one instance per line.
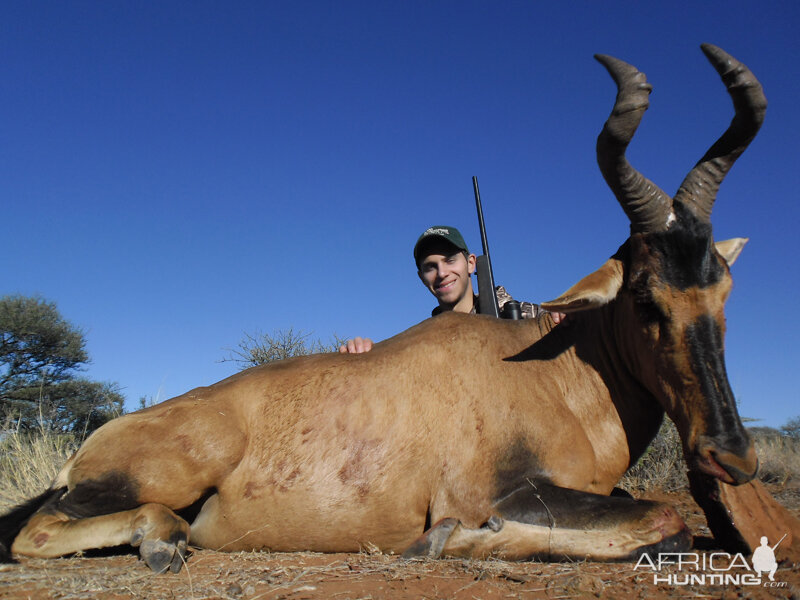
180 557
160 556
431 543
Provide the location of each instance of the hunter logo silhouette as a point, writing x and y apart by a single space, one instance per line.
764 558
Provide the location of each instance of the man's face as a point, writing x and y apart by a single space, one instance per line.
445 271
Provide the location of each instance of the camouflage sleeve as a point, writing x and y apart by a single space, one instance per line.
528 309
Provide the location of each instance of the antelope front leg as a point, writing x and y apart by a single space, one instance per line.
159 533
544 521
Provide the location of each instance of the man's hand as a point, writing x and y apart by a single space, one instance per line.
558 317
356 346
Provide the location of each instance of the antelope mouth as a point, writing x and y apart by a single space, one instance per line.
727 466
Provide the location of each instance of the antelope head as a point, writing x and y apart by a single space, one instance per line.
670 280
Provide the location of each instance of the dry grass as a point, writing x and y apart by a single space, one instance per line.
311 576
661 466
29 462
778 455
270 576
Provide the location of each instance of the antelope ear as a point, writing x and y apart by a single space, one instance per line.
592 291
730 249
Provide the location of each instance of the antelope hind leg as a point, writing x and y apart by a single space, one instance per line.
160 534
544 521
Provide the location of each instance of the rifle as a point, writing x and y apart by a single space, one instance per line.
779 541
487 299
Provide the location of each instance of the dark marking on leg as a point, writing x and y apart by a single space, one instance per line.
620 493
546 505
541 503
110 493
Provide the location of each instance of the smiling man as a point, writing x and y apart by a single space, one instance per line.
445 266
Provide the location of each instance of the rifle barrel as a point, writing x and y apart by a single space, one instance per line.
484 241
487 299
779 541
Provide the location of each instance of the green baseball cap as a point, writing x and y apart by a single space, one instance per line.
445 232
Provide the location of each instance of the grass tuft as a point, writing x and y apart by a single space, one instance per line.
778 456
29 462
661 466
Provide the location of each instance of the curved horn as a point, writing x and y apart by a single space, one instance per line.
699 189
647 206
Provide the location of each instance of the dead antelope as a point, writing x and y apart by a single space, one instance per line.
462 436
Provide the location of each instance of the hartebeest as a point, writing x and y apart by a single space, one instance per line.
465 435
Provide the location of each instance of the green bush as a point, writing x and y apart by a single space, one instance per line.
41 355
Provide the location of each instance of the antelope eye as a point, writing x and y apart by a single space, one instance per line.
646 306
650 311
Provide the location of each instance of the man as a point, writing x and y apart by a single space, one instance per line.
445 266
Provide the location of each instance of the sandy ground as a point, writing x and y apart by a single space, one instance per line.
251 576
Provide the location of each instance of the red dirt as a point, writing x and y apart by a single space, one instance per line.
272 576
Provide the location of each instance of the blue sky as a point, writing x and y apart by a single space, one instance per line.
175 175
